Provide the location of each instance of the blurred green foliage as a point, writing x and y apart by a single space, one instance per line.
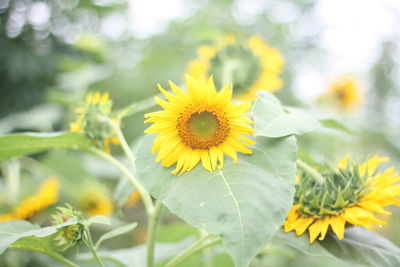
59 56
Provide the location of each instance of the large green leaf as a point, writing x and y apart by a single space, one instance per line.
43 245
360 247
271 120
28 143
245 202
116 232
13 230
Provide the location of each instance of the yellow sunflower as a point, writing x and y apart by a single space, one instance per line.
47 195
250 66
345 92
94 202
93 120
200 125
350 196
133 199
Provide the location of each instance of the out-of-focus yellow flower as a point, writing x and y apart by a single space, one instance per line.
95 202
250 66
133 199
350 196
199 126
345 93
94 120
47 195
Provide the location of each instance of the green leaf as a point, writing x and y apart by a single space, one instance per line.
28 143
245 202
13 230
360 247
116 232
99 219
271 120
136 256
335 125
43 245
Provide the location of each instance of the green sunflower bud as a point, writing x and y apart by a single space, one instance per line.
341 188
95 120
70 235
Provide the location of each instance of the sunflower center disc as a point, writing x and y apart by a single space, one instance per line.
202 129
203 125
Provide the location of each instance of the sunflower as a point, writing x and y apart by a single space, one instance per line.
133 199
95 202
350 196
200 125
250 66
47 196
93 119
345 92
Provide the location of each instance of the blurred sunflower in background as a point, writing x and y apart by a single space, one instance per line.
350 196
345 94
250 66
28 207
94 201
133 199
200 125
94 120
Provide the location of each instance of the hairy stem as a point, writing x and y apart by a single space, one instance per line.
310 171
89 243
148 203
152 232
202 243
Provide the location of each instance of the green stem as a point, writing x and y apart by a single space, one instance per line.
200 244
310 171
152 232
89 244
145 104
11 171
148 203
207 252
124 144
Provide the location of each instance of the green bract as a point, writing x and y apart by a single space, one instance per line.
340 189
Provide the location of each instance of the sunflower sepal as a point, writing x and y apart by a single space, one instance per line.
97 121
350 195
71 235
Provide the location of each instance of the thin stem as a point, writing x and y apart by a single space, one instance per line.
11 170
145 104
148 203
310 171
124 144
89 244
152 232
207 252
201 244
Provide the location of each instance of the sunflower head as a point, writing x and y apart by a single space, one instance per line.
199 125
45 197
94 202
250 66
344 93
70 235
342 188
350 195
94 119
